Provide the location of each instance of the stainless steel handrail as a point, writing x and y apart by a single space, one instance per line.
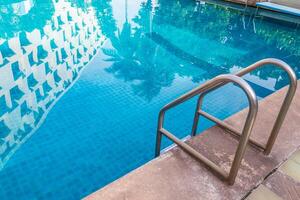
253 107
210 85
287 100
267 148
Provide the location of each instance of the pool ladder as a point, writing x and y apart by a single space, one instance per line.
244 135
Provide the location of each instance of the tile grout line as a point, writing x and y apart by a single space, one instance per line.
271 173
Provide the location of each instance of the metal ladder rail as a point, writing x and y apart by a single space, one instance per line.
246 6
210 85
280 117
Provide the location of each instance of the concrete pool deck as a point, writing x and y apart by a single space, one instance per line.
175 175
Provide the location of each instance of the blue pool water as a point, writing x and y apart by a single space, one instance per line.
82 82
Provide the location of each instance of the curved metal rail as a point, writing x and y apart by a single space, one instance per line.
282 112
244 137
208 86
286 102
267 148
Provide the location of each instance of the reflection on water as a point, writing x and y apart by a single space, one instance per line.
155 50
40 60
37 66
175 37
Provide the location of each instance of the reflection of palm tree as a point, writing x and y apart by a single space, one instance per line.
123 53
150 56
132 58
124 48
144 17
135 58
105 17
126 43
153 80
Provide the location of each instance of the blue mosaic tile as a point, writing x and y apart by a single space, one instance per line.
16 94
3 107
4 129
24 40
6 51
31 81
17 73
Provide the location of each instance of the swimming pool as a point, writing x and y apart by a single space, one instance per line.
82 82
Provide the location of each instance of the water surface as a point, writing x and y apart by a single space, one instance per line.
82 82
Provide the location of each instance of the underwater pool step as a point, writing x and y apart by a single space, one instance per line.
185 55
260 90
